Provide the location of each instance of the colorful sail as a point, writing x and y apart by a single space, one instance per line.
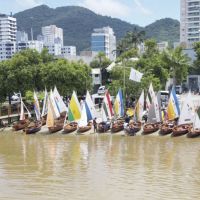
90 108
119 105
59 101
74 112
83 120
36 107
45 104
50 115
173 109
139 109
187 111
54 107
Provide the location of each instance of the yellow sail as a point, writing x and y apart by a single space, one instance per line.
50 118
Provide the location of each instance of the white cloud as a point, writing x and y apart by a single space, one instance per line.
25 4
141 8
113 8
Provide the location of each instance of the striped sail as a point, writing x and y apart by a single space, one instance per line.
90 108
45 104
119 105
107 110
74 112
59 101
173 109
154 110
36 107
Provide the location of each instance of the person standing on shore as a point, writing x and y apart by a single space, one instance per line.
95 125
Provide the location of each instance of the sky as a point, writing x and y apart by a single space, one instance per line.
141 12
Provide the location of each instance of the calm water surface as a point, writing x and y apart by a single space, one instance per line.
98 167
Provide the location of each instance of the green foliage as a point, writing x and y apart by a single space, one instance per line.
196 64
29 70
78 31
100 61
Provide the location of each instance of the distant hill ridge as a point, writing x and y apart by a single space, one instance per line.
78 24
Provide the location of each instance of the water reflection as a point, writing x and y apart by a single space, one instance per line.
97 167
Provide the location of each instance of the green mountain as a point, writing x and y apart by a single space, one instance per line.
78 24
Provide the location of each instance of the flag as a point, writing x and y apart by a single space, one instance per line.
173 109
135 75
119 105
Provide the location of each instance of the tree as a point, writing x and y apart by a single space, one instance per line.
179 64
196 64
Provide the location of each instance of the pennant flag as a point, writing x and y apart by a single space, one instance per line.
173 109
36 107
139 109
135 75
119 105
74 112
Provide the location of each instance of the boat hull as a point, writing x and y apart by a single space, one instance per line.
102 128
166 129
117 127
193 133
180 130
20 125
150 129
69 128
32 130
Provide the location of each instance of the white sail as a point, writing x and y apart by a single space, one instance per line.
83 121
50 117
187 111
90 105
55 110
59 101
196 121
36 107
45 104
154 110
22 115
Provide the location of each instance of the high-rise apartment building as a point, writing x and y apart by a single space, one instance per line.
52 35
104 40
8 28
190 22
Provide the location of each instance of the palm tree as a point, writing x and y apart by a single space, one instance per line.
178 63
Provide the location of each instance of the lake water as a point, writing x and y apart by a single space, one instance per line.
98 167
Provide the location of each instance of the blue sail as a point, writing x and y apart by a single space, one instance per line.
89 115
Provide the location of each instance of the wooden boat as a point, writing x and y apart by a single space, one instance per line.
33 127
103 127
84 129
58 125
70 127
193 133
117 126
20 125
181 130
166 128
133 128
150 128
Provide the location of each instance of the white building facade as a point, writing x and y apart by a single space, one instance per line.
8 29
190 22
68 50
21 36
52 35
104 40
54 49
34 44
